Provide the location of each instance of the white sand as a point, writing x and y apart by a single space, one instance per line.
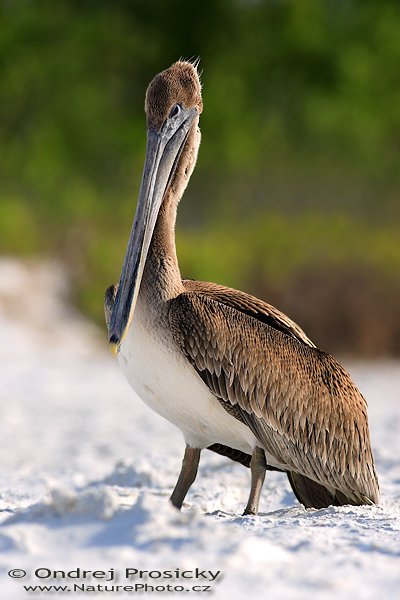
86 471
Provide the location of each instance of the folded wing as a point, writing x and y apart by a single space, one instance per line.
299 401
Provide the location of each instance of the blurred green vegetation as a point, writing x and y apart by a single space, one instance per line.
298 171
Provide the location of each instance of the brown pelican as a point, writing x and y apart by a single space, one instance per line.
232 372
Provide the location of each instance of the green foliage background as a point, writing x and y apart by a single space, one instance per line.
296 193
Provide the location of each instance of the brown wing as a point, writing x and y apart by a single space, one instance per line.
249 305
266 313
300 403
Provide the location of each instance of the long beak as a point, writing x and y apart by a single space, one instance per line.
162 154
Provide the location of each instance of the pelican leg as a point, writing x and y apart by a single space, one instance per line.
258 466
186 477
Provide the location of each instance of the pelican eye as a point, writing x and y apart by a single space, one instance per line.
175 111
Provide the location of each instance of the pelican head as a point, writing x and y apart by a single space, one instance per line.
173 105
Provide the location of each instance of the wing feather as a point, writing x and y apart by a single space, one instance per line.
299 401
250 305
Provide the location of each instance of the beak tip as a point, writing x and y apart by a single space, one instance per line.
114 345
